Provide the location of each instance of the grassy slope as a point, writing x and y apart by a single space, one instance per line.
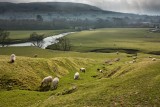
139 87
96 92
125 38
132 85
27 73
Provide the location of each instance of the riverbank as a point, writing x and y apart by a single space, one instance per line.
22 36
47 41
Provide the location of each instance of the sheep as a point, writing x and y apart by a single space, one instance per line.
83 70
46 81
108 61
153 59
150 56
12 58
54 83
117 52
76 75
134 61
134 57
131 62
35 55
100 71
116 59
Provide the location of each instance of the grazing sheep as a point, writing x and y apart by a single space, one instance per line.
153 59
12 58
108 61
134 61
150 56
130 62
116 59
117 52
35 55
46 81
100 71
83 70
76 75
54 83
134 57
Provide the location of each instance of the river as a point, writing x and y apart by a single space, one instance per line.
47 41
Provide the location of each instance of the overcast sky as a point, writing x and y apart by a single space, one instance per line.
130 6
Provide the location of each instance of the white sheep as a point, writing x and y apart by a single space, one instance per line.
117 52
116 59
153 59
76 75
12 58
150 56
83 70
134 61
100 71
54 83
46 81
134 57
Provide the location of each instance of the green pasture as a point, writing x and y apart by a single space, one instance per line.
122 84
131 85
116 38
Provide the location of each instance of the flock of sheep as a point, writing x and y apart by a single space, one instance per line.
53 82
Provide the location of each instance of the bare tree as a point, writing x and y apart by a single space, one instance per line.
63 44
4 37
36 39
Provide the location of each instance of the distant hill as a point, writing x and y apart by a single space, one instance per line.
46 7
67 15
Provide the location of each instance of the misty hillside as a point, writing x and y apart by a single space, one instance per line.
65 15
45 7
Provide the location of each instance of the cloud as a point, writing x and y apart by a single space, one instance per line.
131 6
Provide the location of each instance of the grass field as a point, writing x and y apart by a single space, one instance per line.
122 84
119 39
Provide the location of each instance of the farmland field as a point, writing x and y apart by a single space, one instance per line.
123 83
108 39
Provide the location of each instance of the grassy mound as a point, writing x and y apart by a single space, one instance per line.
138 87
27 73
121 84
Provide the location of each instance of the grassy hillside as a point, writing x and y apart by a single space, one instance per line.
121 84
46 7
27 73
139 87
106 40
